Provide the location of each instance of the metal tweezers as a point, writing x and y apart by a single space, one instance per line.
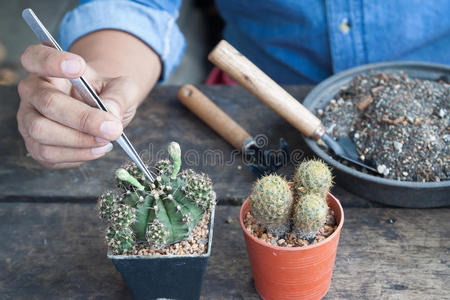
81 85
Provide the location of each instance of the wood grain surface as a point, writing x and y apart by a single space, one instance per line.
213 116
52 242
57 251
159 120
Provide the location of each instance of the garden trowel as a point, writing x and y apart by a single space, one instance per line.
238 67
263 162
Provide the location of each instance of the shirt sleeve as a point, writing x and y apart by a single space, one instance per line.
153 22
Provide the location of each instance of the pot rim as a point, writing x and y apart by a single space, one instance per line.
311 99
169 256
330 197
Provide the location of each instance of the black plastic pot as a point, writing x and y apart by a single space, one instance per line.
374 188
164 276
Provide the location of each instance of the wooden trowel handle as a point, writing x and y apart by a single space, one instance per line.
237 66
212 115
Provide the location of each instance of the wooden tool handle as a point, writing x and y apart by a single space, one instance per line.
236 65
212 115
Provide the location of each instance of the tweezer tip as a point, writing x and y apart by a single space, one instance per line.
26 11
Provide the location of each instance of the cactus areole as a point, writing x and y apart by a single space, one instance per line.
161 212
304 209
312 176
271 202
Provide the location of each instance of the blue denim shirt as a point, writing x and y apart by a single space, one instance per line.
293 41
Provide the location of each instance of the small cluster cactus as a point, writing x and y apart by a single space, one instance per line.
309 215
162 212
278 207
270 200
312 176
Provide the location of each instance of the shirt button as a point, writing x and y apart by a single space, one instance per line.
344 27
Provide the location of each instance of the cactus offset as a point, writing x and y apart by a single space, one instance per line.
123 175
161 212
271 202
164 166
175 154
106 204
198 188
310 214
121 239
312 176
312 182
276 207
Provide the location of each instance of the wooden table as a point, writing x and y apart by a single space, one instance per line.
52 242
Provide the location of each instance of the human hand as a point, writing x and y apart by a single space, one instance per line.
60 130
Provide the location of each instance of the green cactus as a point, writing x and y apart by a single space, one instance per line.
161 212
312 176
157 234
164 166
175 154
309 215
271 202
106 204
312 182
198 188
304 208
123 175
121 239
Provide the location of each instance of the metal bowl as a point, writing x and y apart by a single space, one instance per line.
378 189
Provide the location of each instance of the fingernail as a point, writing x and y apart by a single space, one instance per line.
111 128
102 150
112 107
100 140
71 66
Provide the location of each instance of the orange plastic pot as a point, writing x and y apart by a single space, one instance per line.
293 273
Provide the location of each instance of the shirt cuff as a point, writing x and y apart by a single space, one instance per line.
157 28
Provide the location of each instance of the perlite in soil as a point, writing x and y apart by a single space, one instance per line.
146 217
402 124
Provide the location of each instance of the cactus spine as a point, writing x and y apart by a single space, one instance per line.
312 182
276 207
310 214
161 212
312 176
270 202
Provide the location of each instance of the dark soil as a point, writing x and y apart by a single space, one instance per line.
399 123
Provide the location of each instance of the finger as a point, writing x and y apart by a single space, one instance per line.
28 145
57 155
68 111
48 132
95 81
121 96
47 61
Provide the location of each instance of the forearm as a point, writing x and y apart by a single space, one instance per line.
114 53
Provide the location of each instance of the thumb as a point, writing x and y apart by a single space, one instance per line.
120 96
